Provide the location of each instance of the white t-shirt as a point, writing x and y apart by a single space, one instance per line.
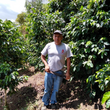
56 55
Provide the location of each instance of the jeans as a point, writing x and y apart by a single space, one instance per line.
51 80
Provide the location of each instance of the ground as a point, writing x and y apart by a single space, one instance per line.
72 95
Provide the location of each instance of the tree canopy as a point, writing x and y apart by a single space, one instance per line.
21 18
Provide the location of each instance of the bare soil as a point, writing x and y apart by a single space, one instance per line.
72 95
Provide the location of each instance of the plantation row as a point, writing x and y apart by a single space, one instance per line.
86 28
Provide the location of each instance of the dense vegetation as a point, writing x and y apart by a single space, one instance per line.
86 28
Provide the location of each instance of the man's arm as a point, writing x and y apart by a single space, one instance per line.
47 69
68 68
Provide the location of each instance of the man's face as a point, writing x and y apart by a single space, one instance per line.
57 38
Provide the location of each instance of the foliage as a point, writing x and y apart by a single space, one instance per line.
106 98
90 83
89 31
41 27
35 30
103 78
67 7
21 18
34 4
12 45
13 55
9 78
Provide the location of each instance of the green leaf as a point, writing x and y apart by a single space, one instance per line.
87 80
94 93
101 86
88 43
41 64
89 63
97 25
81 8
106 43
71 78
108 103
105 97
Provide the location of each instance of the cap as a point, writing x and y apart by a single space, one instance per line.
57 32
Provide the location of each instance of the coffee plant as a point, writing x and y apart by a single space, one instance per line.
13 55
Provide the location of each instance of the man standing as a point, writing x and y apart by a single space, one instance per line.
57 52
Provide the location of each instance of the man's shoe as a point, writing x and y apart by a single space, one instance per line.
45 107
53 106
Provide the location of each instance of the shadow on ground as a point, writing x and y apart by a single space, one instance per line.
72 95
22 97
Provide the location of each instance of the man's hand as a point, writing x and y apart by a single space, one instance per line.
47 68
68 69
67 76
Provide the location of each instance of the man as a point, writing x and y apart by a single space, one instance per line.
57 52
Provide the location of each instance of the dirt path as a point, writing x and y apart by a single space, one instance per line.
72 96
